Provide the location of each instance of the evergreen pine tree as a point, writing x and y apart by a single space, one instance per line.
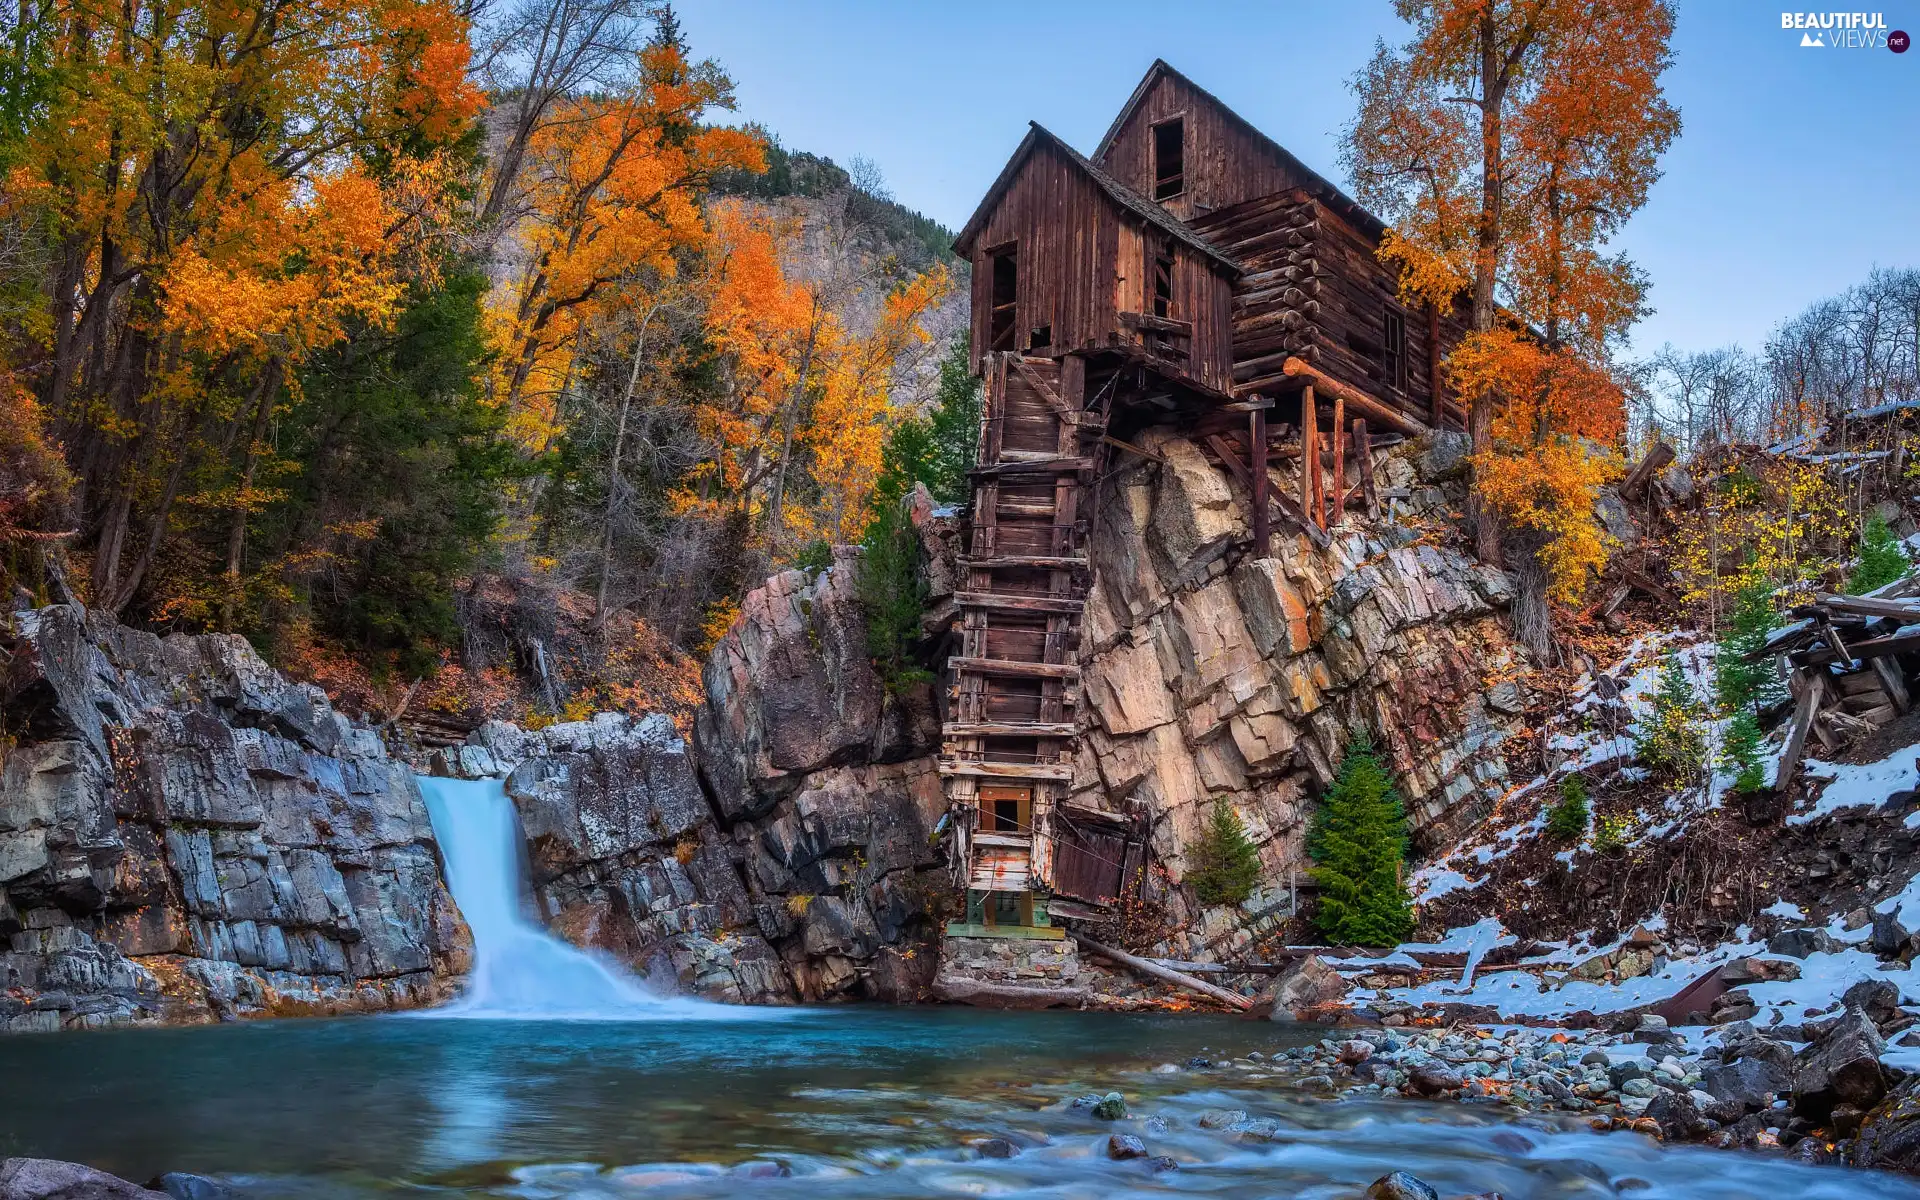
1882 560
1672 742
1226 864
1742 753
1740 682
1359 846
1567 820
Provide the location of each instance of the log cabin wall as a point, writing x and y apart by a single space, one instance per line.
1081 261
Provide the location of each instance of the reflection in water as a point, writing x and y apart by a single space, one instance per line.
866 1103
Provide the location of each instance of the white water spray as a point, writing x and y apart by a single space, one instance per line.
520 971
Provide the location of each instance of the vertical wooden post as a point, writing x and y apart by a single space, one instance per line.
1309 453
1434 397
1363 449
1339 461
1257 460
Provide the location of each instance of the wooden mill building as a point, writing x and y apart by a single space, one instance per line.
1192 273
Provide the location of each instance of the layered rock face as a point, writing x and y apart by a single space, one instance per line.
186 835
828 788
1211 675
804 869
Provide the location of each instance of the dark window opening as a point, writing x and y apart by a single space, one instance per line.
1169 159
1393 352
1003 300
1163 284
1006 816
1042 337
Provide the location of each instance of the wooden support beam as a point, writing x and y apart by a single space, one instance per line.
1060 772
1872 606
1367 406
1339 458
1049 562
1149 455
1262 484
1309 452
1365 450
1650 464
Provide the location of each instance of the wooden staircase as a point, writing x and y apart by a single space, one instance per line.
1015 675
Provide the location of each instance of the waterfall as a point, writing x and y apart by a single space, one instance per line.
520 971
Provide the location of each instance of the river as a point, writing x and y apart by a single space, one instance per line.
848 1102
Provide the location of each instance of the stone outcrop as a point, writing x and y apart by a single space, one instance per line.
791 858
185 835
1215 676
826 786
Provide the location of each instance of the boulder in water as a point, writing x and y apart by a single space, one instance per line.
51 1179
1401 1186
1124 1146
1306 985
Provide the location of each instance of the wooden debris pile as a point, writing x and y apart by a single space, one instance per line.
1851 658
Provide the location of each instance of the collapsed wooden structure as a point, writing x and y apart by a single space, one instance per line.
1849 657
1191 274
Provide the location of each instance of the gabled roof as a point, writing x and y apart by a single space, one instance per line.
1136 204
1317 184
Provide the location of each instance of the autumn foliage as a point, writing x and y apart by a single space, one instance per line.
1508 141
458 382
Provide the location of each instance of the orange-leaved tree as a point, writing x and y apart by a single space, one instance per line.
1509 140
221 193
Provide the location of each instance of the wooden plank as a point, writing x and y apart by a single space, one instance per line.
1149 455
1134 320
1047 729
1436 407
1650 464
1060 772
1233 1000
1014 668
1043 387
1871 606
1045 562
1803 714
1365 445
1892 682
1037 467
1010 602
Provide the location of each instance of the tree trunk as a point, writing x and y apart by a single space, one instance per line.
776 515
1486 530
1532 618
613 473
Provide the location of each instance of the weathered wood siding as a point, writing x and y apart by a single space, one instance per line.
1225 161
1082 261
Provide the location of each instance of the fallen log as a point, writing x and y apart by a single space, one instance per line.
1654 462
1233 1000
981 993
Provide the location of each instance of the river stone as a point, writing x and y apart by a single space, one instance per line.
182 1186
1124 1146
1430 1079
1111 1107
1751 1083
1799 943
1842 1067
996 1148
1889 1137
1221 1118
1306 985
51 1179
1401 1186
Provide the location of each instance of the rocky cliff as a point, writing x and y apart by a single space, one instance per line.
1213 675
787 856
185 835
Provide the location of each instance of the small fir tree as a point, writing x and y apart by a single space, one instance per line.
1226 863
1741 755
1567 820
1672 742
1739 681
1882 560
1359 846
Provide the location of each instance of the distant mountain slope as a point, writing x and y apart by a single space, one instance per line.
918 240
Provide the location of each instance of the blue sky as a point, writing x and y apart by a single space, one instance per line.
1798 170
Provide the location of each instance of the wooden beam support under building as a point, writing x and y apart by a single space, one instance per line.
1309 453
1367 406
1262 516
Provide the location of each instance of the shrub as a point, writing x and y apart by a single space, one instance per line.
1567 820
1610 835
1359 846
893 594
1226 863
1882 559
1671 742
